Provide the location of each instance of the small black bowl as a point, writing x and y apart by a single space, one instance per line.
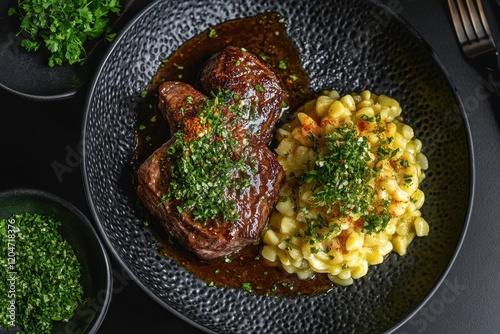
28 75
96 273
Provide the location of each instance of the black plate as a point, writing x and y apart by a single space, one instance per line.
348 46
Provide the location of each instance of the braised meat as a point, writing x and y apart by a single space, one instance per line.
173 104
253 84
245 73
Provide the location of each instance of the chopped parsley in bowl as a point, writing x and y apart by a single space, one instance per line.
55 275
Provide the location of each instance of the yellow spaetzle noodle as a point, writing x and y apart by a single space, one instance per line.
352 193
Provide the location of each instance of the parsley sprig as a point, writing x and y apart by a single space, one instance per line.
64 26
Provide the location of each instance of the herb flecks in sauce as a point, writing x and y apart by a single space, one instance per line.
205 158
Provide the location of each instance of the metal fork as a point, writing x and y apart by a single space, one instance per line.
473 33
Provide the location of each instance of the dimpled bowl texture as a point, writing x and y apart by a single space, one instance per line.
76 229
347 46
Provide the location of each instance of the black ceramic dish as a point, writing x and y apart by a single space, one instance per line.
345 46
27 73
96 279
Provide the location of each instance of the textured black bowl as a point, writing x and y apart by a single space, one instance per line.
96 278
348 46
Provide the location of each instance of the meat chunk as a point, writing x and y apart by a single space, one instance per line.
245 73
214 239
173 103
180 104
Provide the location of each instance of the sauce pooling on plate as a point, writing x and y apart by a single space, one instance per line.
264 35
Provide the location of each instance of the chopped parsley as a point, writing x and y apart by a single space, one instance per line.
340 182
247 287
374 223
341 175
208 160
407 179
39 274
63 27
212 33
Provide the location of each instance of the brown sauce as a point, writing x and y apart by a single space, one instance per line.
265 35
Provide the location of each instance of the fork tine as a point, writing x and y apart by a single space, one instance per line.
476 15
466 20
484 22
457 22
471 27
474 36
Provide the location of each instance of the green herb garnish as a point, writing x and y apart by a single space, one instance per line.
407 179
39 274
212 33
374 223
341 175
319 229
247 287
340 183
63 27
259 88
206 156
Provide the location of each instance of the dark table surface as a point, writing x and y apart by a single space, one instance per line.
35 137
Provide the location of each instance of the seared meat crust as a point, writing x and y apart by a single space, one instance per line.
179 101
247 74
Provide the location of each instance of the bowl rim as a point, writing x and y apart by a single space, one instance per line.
39 98
43 194
457 99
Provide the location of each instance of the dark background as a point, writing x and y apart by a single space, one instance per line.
38 138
